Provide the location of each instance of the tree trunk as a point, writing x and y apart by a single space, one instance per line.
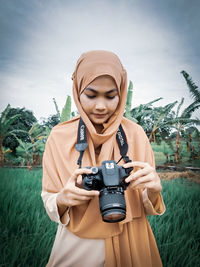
1 154
28 161
154 137
151 137
177 156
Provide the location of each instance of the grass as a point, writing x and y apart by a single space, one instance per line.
27 234
177 231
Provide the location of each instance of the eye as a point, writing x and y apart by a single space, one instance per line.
110 97
91 96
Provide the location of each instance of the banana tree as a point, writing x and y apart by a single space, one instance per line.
36 135
143 115
161 119
192 138
66 113
181 123
26 151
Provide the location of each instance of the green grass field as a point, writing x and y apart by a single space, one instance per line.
27 233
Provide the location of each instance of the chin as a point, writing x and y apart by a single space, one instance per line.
99 122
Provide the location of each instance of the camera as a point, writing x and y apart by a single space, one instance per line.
109 179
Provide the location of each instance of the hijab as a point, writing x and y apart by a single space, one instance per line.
90 66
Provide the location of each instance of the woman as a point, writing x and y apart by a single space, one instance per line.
83 238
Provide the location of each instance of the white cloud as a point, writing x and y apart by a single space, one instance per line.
150 51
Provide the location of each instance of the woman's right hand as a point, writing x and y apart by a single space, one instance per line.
72 195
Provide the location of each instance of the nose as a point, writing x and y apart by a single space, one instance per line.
100 105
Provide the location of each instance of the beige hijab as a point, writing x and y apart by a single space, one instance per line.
90 66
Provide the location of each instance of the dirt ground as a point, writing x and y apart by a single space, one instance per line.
190 175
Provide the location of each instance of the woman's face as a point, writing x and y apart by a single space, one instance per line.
100 99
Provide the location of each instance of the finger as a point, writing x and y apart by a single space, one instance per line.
83 192
142 180
79 180
130 178
138 174
80 197
80 172
136 164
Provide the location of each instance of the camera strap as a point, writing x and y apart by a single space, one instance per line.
123 145
82 143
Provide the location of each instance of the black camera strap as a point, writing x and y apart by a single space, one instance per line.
82 142
123 145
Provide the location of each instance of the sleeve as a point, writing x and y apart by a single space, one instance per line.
51 183
49 200
150 209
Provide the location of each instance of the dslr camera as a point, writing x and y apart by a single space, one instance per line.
109 179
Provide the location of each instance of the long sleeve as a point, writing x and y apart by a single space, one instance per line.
49 200
150 209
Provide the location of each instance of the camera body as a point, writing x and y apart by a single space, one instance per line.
109 179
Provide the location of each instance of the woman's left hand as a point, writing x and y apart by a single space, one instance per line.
145 177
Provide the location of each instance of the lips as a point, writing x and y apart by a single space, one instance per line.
100 116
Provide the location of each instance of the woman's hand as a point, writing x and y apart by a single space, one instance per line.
72 195
145 177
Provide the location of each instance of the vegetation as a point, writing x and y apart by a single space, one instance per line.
5 125
27 233
23 122
66 111
22 138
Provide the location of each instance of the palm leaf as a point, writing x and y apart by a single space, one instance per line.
152 102
187 113
5 113
129 97
56 107
66 111
6 123
179 106
193 88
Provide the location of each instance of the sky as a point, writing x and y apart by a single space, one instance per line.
41 41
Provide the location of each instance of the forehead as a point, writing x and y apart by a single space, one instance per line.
103 82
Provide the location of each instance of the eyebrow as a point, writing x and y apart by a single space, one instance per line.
95 91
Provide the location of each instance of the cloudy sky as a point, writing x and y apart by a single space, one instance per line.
41 41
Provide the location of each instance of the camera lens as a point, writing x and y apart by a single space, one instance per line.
112 204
